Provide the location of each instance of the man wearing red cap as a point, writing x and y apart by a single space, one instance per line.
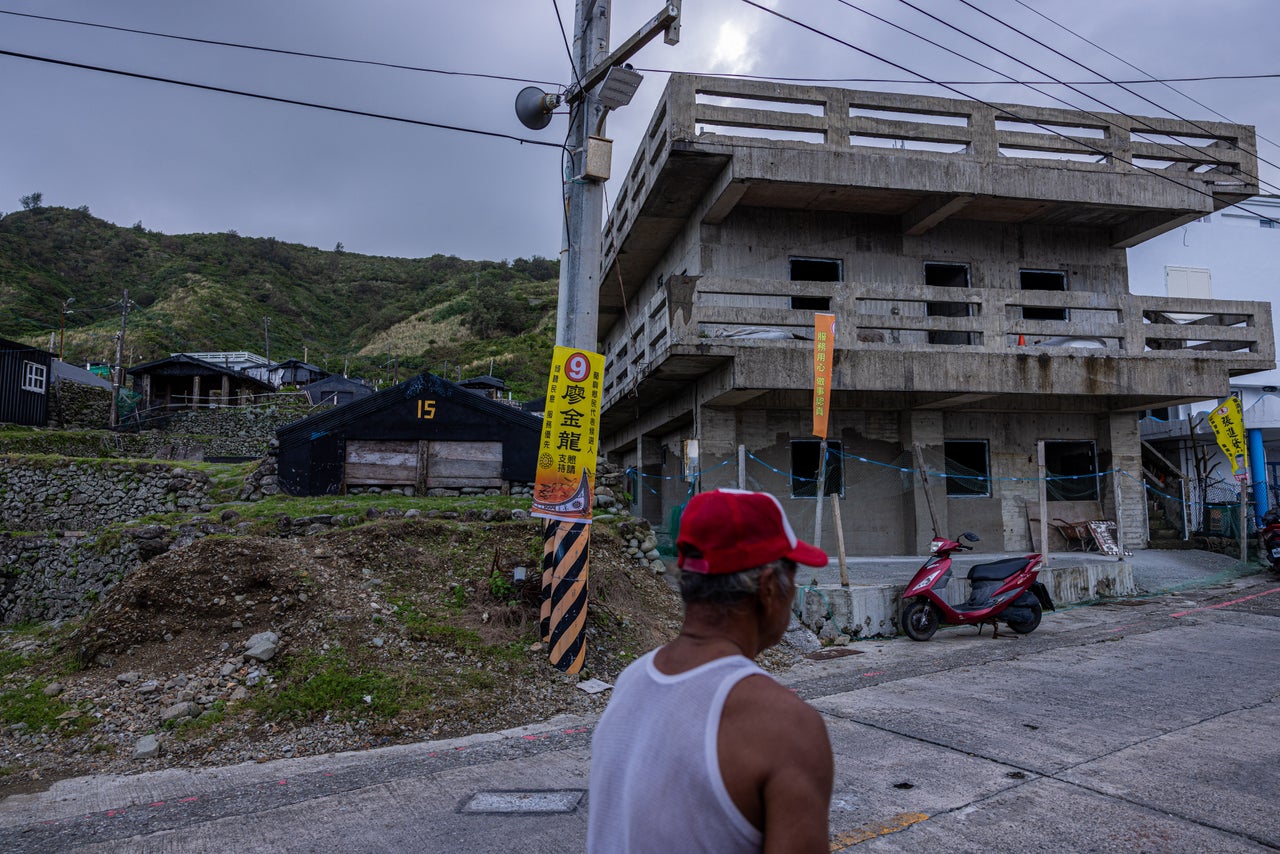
699 749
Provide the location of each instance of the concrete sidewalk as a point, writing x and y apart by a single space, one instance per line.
869 605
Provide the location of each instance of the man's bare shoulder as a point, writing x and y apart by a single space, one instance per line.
761 703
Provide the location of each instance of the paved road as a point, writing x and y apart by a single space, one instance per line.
1142 727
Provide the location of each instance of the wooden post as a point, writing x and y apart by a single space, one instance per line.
918 452
822 488
839 523
1115 481
1044 502
1244 523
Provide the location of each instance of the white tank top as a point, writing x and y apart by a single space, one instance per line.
655 771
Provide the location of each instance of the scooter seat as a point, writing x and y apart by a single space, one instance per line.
997 570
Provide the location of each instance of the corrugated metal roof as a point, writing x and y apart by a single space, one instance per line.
325 422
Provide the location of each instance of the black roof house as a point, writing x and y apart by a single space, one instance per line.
337 390
183 381
24 384
426 432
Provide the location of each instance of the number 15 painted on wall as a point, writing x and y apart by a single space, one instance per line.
426 409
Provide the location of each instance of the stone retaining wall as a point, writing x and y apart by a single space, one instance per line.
83 495
57 579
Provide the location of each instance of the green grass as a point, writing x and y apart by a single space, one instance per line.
29 705
317 683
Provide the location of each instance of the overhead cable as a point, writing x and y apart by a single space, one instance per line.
276 50
279 100
968 97
1006 54
1151 78
1054 50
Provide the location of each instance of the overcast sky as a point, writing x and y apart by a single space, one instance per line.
183 160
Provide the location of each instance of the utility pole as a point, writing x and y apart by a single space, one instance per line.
62 331
117 375
266 332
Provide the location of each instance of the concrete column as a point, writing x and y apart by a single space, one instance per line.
1120 430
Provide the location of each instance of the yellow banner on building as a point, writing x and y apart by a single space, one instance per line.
824 339
565 485
1227 422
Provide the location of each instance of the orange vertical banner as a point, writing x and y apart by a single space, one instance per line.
824 337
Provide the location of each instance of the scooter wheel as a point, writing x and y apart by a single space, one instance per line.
919 619
1026 627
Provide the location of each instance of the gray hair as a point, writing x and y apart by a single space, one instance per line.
734 587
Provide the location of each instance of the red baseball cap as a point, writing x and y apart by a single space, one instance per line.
735 530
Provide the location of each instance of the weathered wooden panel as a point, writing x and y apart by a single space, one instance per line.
453 465
389 463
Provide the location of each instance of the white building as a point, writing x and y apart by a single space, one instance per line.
1232 254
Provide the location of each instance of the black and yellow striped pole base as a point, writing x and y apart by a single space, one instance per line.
548 571
568 599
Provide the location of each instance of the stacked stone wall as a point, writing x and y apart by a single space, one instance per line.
84 495
76 406
59 578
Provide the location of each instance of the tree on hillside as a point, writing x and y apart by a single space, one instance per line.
33 202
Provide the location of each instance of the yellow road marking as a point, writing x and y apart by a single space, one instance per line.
901 821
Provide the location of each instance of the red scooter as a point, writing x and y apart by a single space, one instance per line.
1001 590
1269 536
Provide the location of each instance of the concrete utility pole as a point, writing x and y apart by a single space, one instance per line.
579 301
117 375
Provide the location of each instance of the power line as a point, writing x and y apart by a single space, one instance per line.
278 100
1032 38
969 97
1150 77
1006 82
276 50
1006 54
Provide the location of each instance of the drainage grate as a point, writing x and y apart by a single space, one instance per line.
520 801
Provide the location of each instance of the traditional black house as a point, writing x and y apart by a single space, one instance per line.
336 390
24 384
427 433
185 382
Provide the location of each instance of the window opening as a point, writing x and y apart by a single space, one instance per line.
805 456
1042 280
34 377
1074 461
967 467
948 276
814 270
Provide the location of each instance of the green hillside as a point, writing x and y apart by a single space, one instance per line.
211 292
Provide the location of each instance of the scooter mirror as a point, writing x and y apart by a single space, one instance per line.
971 536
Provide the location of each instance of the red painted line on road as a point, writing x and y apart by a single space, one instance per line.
283 783
188 800
156 804
875 673
1226 604
575 731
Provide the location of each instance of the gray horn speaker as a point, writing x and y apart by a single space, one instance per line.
533 107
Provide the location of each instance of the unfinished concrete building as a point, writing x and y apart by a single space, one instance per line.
974 258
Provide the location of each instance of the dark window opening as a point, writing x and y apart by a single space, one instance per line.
806 454
948 276
967 468
1042 280
1072 471
815 270
811 303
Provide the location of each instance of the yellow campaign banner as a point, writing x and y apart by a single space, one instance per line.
824 339
1227 422
566 477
